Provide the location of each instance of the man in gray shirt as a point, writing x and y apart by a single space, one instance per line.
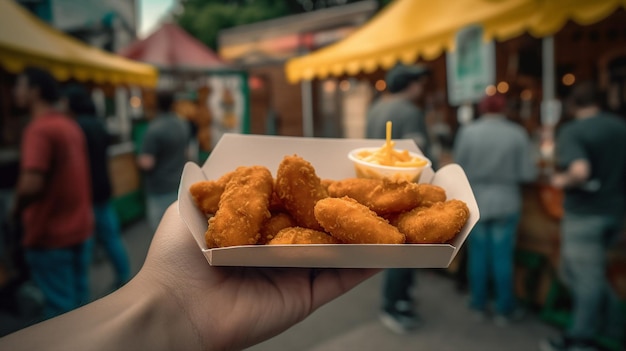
405 84
496 156
162 158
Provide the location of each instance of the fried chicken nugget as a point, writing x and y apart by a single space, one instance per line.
242 209
273 225
276 205
207 193
299 235
436 224
382 196
430 194
326 183
354 223
299 189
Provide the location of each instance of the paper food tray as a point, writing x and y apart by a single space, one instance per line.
329 158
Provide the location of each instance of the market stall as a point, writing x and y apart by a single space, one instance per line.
407 30
213 95
567 36
26 41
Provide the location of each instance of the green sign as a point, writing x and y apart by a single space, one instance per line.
470 67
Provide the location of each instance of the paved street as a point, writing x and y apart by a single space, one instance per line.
351 322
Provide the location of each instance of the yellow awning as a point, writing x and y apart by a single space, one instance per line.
408 29
25 40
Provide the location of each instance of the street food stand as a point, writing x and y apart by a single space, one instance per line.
412 30
27 41
212 95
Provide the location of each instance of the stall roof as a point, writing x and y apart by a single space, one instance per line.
170 47
408 29
25 40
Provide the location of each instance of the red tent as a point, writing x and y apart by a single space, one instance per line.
171 48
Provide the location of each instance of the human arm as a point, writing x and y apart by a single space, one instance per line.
146 162
36 160
146 159
572 159
576 174
178 301
30 186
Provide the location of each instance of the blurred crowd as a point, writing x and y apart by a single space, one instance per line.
61 210
496 155
62 206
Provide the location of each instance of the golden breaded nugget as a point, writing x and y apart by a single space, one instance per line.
299 189
382 196
242 209
326 183
273 225
207 193
436 224
430 194
299 235
354 223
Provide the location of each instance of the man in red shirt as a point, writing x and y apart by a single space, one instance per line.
53 196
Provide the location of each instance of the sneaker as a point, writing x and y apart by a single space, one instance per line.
505 320
479 316
401 319
566 344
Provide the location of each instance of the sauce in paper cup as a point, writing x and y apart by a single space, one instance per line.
364 169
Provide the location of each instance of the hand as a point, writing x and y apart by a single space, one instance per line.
236 307
559 180
178 301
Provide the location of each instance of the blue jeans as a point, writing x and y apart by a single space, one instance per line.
397 286
585 241
62 275
490 259
156 205
108 234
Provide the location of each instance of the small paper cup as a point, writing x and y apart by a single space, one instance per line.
370 170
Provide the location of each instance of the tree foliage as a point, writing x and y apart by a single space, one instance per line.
205 18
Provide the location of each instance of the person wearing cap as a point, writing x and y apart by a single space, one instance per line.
591 163
405 85
496 156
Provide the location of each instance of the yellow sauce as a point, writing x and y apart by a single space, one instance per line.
388 156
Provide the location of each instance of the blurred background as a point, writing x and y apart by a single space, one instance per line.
312 68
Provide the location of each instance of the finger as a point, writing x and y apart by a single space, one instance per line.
328 284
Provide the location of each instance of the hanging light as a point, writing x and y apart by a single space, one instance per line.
568 79
503 87
380 85
135 101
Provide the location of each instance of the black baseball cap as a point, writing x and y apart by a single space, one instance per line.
399 77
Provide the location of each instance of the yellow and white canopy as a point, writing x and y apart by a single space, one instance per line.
408 29
25 40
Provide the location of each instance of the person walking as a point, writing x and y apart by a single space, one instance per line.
405 85
496 156
107 226
591 156
162 158
53 197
